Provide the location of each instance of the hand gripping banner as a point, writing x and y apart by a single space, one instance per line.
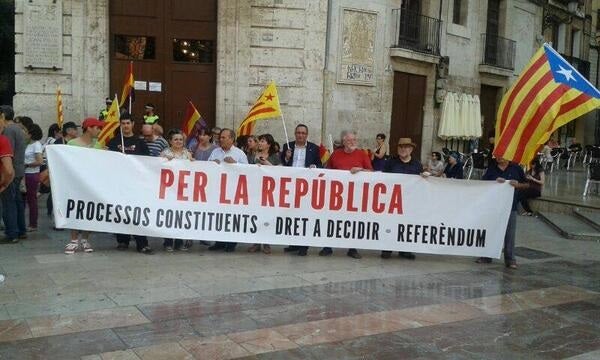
111 192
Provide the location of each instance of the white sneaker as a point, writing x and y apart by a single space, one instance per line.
85 245
72 247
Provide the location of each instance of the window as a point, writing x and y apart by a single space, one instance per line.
576 43
456 13
135 47
193 51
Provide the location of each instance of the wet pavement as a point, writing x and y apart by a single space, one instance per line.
204 305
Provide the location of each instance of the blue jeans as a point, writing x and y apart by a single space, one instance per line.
13 210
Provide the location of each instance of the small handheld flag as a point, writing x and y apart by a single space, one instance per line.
265 107
192 116
548 94
324 154
128 91
111 123
59 109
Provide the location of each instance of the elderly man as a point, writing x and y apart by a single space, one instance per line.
227 153
351 158
300 153
155 143
404 163
502 170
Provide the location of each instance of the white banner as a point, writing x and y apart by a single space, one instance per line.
111 192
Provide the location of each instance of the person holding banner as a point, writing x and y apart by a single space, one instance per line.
350 157
404 163
267 155
300 153
176 150
89 139
502 170
130 144
229 154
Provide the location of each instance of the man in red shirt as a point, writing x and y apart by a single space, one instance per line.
7 171
350 157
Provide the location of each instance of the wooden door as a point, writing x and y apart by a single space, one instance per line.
489 106
407 109
173 47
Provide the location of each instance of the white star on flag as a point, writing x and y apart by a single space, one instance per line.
567 73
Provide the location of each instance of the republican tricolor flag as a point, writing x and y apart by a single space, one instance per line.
192 116
324 154
548 94
128 90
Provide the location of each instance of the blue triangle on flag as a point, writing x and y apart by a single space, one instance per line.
565 73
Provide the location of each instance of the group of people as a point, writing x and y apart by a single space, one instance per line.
21 145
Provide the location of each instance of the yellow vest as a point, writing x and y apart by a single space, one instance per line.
151 119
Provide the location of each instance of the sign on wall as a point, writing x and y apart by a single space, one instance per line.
42 34
357 47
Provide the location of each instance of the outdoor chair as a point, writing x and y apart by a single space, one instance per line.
592 178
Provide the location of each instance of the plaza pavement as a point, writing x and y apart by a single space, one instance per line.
205 305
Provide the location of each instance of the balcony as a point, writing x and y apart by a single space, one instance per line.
581 65
418 33
498 51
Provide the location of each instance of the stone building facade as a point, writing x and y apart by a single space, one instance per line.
338 64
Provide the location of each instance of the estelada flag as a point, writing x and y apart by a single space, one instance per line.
111 123
192 116
266 107
128 85
59 109
324 154
548 94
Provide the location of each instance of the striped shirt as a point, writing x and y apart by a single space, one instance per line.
156 146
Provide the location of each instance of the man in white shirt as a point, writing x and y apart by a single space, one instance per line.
227 152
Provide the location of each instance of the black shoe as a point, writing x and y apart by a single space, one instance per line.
325 252
216 247
354 254
122 246
23 236
386 254
406 255
57 229
483 260
146 251
8 240
291 248
302 252
229 249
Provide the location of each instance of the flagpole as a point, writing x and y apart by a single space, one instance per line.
120 130
330 138
287 139
129 102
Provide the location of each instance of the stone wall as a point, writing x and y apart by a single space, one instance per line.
83 79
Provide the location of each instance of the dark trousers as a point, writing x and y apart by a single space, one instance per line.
527 194
140 241
226 245
13 210
328 248
169 242
509 239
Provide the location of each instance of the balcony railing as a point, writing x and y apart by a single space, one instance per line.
498 51
417 32
581 65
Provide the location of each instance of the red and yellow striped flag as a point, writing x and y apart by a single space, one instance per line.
192 116
324 154
59 109
548 94
266 107
128 85
111 123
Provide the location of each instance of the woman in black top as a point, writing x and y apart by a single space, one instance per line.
535 178
454 169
